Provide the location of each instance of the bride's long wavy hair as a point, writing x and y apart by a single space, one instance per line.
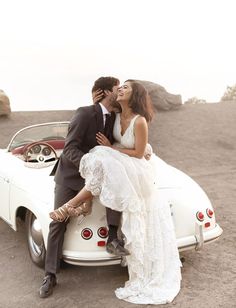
140 101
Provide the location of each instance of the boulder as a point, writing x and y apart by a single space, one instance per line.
161 99
5 108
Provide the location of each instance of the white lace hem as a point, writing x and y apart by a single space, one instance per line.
127 184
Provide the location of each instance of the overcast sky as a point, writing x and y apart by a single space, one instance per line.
52 51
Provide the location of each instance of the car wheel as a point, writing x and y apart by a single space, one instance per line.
35 239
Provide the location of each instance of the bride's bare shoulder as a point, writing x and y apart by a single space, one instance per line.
140 123
140 120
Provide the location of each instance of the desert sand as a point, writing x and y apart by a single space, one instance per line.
199 140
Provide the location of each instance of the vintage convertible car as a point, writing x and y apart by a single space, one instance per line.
27 191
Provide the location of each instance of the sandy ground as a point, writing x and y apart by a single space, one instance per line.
198 139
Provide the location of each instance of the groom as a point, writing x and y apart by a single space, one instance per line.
81 138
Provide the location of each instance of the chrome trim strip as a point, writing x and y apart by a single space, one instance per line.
72 259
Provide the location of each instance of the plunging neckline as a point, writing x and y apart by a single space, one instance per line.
122 135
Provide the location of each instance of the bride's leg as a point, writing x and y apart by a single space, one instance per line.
82 201
82 196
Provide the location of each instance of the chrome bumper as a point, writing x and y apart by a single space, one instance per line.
200 238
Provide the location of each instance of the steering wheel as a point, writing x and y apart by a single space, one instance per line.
40 152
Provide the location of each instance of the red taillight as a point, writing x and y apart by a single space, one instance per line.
200 216
102 232
86 233
210 213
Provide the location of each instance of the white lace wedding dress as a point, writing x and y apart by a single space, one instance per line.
128 184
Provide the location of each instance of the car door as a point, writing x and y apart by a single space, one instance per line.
5 175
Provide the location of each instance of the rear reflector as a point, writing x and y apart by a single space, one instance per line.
207 224
101 243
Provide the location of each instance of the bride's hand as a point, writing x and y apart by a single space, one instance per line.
97 96
147 156
102 140
148 151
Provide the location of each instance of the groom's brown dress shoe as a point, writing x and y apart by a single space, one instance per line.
116 248
46 289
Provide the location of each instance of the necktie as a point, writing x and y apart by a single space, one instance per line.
107 124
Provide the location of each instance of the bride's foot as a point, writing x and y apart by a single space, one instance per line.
61 214
84 209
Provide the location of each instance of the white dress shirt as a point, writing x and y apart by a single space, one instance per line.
104 112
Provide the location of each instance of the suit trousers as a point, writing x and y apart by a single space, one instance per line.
57 229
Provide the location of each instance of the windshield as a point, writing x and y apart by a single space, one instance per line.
40 132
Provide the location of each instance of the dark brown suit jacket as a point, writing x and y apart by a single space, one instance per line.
81 138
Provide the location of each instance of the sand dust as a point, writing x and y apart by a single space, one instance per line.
198 139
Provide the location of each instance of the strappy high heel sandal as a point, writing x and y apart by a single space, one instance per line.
84 209
61 214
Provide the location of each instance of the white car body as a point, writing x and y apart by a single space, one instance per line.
27 190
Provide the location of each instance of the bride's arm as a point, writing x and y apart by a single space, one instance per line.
141 139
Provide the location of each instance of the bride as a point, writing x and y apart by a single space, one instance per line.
125 181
